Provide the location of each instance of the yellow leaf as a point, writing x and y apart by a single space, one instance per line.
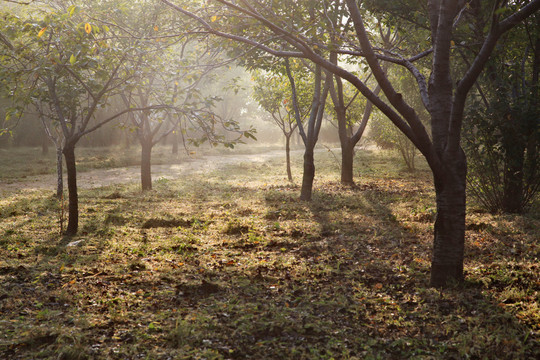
452 43
88 28
214 18
41 32
156 28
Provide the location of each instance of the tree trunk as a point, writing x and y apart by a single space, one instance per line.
309 175
73 223
175 141
288 156
347 159
448 245
44 145
127 139
59 174
146 165
512 201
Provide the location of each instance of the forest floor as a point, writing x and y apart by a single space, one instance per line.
228 264
106 176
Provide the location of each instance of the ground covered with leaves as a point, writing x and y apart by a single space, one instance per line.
232 265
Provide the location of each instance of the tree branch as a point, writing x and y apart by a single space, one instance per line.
468 80
111 118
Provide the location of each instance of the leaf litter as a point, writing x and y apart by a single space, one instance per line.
210 268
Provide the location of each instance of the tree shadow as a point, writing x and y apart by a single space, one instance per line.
244 274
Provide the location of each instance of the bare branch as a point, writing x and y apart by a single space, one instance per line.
211 30
111 118
295 103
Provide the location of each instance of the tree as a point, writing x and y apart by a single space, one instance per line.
502 131
74 67
314 121
273 93
442 95
347 111
55 134
385 134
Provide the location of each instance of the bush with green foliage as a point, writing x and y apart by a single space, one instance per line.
502 143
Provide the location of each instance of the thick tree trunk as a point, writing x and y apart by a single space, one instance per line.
288 156
448 246
347 159
309 175
73 223
59 174
146 165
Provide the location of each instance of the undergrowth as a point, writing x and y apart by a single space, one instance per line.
230 265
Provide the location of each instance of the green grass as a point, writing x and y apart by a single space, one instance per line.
230 265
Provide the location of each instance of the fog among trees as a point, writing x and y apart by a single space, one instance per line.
320 92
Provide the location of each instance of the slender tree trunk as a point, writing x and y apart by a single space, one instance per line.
347 147
512 201
288 156
44 145
175 141
73 223
309 175
448 245
59 174
127 139
146 165
347 159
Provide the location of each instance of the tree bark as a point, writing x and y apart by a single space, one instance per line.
127 139
146 165
73 207
449 242
175 141
347 160
288 155
308 176
347 145
59 174
44 145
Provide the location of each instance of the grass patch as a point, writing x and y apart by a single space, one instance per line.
230 265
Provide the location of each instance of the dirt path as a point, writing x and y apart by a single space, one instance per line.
104 177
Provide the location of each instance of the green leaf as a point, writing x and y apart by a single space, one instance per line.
72 59
249 135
